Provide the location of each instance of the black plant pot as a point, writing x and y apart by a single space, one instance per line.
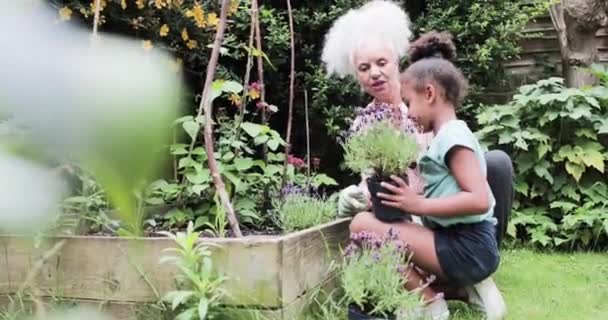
382 212
354 313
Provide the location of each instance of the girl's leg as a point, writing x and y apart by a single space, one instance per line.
420 239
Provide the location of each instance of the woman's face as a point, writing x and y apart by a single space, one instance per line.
378 70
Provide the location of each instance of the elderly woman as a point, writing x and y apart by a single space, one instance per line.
367 43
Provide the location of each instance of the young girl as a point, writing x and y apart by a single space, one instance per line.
457 242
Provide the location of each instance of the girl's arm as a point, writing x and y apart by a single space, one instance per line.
473 199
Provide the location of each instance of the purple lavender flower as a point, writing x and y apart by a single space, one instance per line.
401 269
392 234
376 257
291 189
350 250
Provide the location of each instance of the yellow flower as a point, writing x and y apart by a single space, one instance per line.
234 7
65 14
192 44
123 4
235 99
212 19
185 36
254 93
164 30
161 3
102 5
140 4
198 14
147 45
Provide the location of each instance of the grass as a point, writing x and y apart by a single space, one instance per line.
549 286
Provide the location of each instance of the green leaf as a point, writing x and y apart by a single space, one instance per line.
217 88
521 144
227 156
243 164
559 241
564 205
593 157
189 314
178 149
323 179
199 176
505 137
273 144
232 87
602 126
203 308
593 102
260 140
586 132
542 170
522 187
580 111
575 170
543 148
177 298
252 129
239 186
187 162
192 128
512 230
198 188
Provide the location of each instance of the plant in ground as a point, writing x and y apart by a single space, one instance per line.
374 274
199 286
557 138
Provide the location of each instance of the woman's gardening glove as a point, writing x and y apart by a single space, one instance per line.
353 199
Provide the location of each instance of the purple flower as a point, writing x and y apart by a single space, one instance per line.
291 189
376 257
393 234
401 269
350 250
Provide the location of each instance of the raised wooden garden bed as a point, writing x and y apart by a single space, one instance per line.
271 273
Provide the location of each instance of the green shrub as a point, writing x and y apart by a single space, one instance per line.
486 34
299 211
557 137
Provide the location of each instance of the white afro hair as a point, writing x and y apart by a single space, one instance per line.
379 19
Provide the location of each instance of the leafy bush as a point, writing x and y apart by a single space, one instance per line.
374 275
381 147
299 210
557 139
486 34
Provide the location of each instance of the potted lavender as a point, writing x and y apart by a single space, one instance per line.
373 277
377 145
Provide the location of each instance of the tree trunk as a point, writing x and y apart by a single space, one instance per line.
577 22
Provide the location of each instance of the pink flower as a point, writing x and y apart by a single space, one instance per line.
295 161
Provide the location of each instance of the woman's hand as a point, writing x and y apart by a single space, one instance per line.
403 197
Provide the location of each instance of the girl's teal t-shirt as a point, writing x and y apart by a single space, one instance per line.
439 180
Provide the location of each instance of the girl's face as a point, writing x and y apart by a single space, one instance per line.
378 70
420 104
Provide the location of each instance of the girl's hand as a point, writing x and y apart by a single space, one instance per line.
403 197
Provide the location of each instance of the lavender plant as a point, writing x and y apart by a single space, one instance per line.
300 209
374 275
380 140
